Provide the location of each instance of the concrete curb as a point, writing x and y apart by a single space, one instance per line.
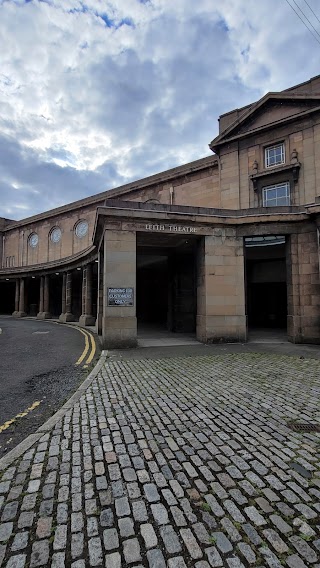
21 448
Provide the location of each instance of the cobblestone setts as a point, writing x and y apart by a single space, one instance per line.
173 462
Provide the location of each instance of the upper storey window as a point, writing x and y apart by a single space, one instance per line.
82 229
276 195
55 235
274 155
33 240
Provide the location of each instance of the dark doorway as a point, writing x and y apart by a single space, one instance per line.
77 293
55 286
94 288
166 282
266 282
152 289
7 296
32 299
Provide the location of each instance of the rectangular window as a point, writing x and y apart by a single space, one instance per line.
274 155
275 195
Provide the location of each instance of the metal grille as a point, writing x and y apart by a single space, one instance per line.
303 427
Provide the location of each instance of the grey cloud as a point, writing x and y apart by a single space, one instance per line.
30 185
136 98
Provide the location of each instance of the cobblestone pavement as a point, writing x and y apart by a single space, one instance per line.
174 462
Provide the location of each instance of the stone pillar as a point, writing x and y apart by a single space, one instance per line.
46 297
16 299
44 312
21 312
119 322
63 293
68 315
303 287
87 318
39 315
221 288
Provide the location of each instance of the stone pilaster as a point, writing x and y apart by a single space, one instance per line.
87 318
220 288
303 285
119 322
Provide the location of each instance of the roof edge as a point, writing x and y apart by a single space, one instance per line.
202 163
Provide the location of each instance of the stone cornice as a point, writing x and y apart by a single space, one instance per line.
140 213
62 265
293 169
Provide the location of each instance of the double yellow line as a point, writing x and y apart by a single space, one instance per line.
89 347
6 425
89 352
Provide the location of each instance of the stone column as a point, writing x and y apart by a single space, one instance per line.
119 322
21 312
39 315
221 288
63 294
44 312
46 297
87 318
68 315
16 300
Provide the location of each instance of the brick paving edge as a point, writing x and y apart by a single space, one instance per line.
21 448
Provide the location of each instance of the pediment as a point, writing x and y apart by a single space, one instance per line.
272 109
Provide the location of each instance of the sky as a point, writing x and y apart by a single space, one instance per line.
96 94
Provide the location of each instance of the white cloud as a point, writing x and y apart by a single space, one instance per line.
96 94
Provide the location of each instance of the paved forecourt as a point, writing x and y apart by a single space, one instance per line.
182 461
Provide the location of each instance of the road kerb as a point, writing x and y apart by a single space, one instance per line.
21 448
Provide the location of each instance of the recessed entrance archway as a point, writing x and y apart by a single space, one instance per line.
266 286
166 283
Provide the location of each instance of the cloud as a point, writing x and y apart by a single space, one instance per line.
95 94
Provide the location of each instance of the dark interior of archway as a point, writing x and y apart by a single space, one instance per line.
55 284
77 293
166 282
32 296
94 288
266 285
7 297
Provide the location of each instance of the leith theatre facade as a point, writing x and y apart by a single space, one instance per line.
216 247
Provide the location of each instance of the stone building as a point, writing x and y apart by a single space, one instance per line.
214 247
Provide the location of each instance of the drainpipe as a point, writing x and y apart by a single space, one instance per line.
3 252
171 191
22 247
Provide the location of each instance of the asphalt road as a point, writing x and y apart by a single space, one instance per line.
38 373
